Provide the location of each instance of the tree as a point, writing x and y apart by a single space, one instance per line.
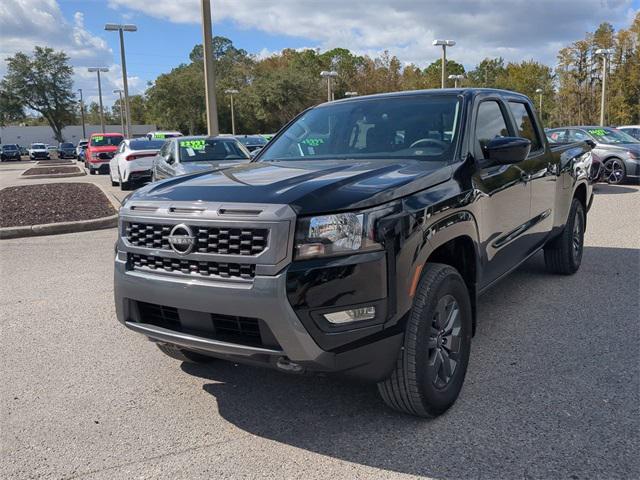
10 109
42 83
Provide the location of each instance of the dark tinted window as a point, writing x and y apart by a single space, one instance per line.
9 147
252 140
146 144
524 124
490 123
104 141
66 145
206 149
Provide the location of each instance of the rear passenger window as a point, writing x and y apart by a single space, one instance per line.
524 124
490 123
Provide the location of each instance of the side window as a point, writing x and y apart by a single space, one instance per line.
525 124
577 136
490 124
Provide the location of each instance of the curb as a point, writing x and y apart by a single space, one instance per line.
54 175
65 227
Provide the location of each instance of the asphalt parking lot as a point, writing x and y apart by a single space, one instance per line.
552 391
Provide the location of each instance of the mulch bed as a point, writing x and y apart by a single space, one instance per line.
52 203
51 170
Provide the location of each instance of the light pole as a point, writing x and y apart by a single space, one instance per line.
444 44
539 92
455 79
84 131
119 92
209 73
98 70
350 94
604 53
113 27
329 75
231 92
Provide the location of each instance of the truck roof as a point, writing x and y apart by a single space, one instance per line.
432 91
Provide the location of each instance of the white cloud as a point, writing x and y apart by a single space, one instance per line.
27 23
515 29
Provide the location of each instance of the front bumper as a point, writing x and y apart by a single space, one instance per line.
266 299
101 166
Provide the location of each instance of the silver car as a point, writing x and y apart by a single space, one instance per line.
618 152
183 155
633 130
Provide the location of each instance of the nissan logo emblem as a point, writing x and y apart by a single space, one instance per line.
181 239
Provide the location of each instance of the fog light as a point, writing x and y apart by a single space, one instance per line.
354 315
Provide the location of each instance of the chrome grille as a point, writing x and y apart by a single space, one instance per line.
191 267
218 240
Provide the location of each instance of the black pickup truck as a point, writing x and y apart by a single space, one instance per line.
357 241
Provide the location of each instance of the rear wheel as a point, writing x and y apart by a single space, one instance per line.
563 255
183 355
432 363
124 186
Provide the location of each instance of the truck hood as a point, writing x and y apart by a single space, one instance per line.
307 186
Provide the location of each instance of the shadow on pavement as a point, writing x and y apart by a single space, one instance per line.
613 189
551 391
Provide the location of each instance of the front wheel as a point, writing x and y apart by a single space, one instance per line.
563 255
614 171
432 363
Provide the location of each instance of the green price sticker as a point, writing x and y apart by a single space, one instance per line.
158 135
193 144
313 142
598 132
98 138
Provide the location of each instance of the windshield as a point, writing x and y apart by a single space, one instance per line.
146 144
415 127
208 149
38 146
66 145
105 141
610 136
252 140
9 147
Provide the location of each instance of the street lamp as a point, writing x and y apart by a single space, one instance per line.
350 94
113 27
455 79
444 44
539 92
119 92
209 74
605 53
231 92
98 70
329 75
84 131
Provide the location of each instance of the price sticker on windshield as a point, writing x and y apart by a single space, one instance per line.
193 144
158 135
598 132
313 142
98 138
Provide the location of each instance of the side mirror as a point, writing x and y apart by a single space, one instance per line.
507 150
590 142
170 160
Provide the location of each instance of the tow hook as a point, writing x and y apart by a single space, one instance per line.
288 366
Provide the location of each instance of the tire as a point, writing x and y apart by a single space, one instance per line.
124 186
92 171
614 171
419 385
563 255
183 355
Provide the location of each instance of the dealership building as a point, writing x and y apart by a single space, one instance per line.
25 136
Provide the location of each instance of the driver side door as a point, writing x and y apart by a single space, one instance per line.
505 194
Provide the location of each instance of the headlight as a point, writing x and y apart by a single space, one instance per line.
634 155
337 234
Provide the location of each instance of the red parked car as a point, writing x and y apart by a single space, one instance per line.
101 149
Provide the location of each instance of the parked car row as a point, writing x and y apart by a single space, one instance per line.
616 154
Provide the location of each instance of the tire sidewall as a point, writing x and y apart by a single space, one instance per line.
441 399
577 212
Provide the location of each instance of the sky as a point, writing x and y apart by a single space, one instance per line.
168 29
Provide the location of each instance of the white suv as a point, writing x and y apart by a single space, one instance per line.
133 161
